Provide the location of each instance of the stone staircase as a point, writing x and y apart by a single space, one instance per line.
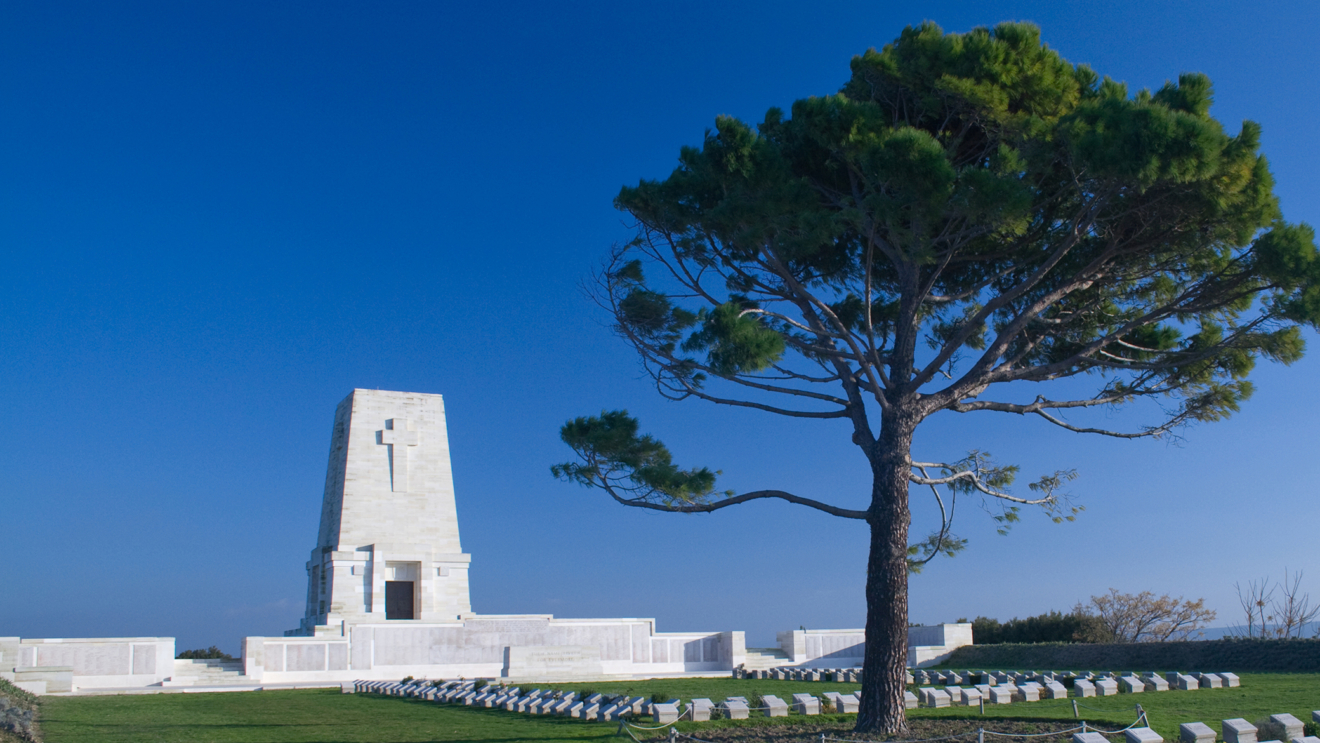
761 659
208 673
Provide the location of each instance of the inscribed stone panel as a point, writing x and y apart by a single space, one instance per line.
274 657
402 646
836 646
641 643
338 653
306 656
710 648
87 659
27 657
692 651
613 640
144 659
659 651
362 640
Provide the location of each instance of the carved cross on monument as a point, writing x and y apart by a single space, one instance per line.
398 436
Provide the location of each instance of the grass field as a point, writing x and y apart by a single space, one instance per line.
326 716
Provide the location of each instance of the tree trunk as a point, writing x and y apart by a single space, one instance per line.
884 666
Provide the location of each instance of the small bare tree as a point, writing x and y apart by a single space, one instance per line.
1143 617
1284 617
1293 610
1254 598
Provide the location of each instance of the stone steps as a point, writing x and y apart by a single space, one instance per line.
763 659
207 673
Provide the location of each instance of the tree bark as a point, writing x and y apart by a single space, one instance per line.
884 665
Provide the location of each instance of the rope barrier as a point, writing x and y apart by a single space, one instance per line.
1032 735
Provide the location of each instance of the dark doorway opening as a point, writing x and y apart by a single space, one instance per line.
398 599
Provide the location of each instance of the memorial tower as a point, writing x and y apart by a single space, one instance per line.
388 546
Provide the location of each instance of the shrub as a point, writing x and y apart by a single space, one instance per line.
1267 729
586 693
826 706
1048 627
211 653
755 701
480 684
407 680
659 698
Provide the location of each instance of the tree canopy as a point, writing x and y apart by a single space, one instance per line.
971 224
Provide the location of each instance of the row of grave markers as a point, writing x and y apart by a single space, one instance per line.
603 707
1004 689
1236 730
1092 684
607 708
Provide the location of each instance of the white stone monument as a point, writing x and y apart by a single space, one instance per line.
388 546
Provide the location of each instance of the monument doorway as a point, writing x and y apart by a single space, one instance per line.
399 599
401 583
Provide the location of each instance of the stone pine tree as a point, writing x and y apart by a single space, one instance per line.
971 224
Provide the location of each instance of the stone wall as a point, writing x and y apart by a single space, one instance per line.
1207 655
516 647
843 648
88 663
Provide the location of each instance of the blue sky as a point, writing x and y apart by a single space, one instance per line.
216 219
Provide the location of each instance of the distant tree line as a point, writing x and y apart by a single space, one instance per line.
1109 618
1053 626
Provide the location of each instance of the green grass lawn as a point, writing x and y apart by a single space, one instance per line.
331 717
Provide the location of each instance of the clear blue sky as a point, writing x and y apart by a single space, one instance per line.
218 218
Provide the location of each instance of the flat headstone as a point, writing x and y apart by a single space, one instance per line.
908 678
955 695
1292 726
805 704
1211 681
576 709
909 700
664 713
939 698
1196 732
1231 680
1084 688
1188 683
1089 738
735 709
1238 730
1028 693
1155 683
1306 739
1315 716
1055 690
1106 687
1001 695
847 704
774 706
969 697
1141 735
1132 684
591 712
